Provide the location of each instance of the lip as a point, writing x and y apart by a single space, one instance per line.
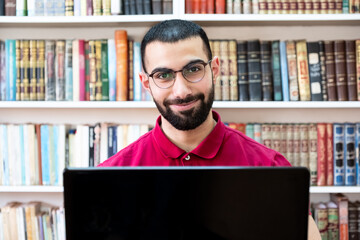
184 106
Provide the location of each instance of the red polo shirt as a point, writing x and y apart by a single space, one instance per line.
222 147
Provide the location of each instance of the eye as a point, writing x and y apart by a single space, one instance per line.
163 75
194 68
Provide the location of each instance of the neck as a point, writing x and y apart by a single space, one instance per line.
188 140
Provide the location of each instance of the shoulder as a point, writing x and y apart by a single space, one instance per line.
257 153
127 155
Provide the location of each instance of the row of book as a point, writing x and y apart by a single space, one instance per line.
32 220
329 150
70 70
83 8
34 154
272 6
107 70
290 70
337 219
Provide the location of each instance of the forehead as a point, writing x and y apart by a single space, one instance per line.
174 55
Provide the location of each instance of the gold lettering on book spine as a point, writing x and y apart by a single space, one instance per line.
40 64
32 66
17 64
98 84
233 71
321 150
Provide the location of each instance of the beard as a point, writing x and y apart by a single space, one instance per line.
189 119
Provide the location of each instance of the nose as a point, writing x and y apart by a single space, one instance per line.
181 87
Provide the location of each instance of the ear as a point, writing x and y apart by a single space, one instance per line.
144 81
215 68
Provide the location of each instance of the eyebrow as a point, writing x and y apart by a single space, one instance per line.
164 69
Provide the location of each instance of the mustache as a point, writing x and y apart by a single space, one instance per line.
187 99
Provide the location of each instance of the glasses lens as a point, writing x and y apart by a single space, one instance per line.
194 73
163 79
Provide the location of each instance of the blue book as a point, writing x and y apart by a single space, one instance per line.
339 167
10 46
40 7
112 69
250 130
77 8
114 145
59 7
112 140
357 155
349 153
5 160
55 166
68 70
2 71
284 72
276 70
137 70
22 155
45 165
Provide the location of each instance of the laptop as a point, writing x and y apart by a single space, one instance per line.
222 203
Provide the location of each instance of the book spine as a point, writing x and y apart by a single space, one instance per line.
156 6
22 155
329 155
339 168
313 153
330 70
263 9
292 70
349 154
249 130
10 46
316 6
229 6
24 70
308 7
116 7
83 8
296 145
242 68
18 85
69 7
30 8
357 152
97 7
82 89
114 140
271 6
283 131
98 84
333 220
277 6
10 7
293 7
303 72
321 154
32 70
40 70
68 71
321 219
220 6
89 8
234 94
87 70
276 137
92 60
91 146
324 6
340 70
104 70
137 69
339 6
2 8
56 160
345 6
357 49
106 7
76 70
315 71
254 70
284 72
224 72
304 145
257 132
139 7
131 70
275 47
50 70
45 155
266 135
2 71
353 221
39 8
59 8
290 143
266 71
323 70
60 70
21 8
112 69
121 65
351 69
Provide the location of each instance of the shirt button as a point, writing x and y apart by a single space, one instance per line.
187 158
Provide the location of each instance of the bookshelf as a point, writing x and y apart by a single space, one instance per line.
224 26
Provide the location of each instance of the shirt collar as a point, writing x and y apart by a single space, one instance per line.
207 149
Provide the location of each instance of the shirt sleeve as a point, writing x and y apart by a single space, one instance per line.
280 160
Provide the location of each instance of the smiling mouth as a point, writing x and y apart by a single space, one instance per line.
184 106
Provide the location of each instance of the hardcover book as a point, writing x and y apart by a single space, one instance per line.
242 68
32 70
276 69
112 69
40 72
50 81
339 167
68 70
357 49
60 70
254 70
340 70
313 154
234 94
292 70
266 71
304 145
303 71
284 72
131 70
342 202
330 70
333 220
349 154
315 71
121 65
323 70
351 69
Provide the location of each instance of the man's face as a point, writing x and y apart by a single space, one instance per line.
185 105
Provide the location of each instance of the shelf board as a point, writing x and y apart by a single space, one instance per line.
59 189
203 19
151 105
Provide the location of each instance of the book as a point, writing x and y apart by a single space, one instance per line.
313 154
349 154
315 71
2 71
357 50
68 70
275 49
40 71
92 69
32 70
220 6
233 78
290 143
50 80
323 71
304 145
112 69
357 156
131 70
333 220
147 6
242 68
266 71
342 202
340 70
10 66
116 7
224 70
69 8
351 69
329 155
321 154
296 144
330 70
121 65
292 70
106 7
45 161
10 7
19 86
338 142
157 6
139 7
60 70
321 219
284 72
87 70
303 72
254 70
24 71
353 221
98 83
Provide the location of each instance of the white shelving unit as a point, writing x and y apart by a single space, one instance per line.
217 26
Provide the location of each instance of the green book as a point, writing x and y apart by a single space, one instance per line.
104 70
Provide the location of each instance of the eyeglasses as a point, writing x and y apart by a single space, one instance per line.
193 72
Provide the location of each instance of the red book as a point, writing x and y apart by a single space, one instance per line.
196 6
321 154
210 6
329 155
203 6
188 6
220 6
121 46
82 70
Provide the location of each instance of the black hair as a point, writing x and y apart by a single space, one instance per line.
171 31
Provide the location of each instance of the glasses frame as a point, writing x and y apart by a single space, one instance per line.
182 73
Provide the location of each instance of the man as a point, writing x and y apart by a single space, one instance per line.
179 72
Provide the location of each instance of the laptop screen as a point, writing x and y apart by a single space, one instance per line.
186 203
